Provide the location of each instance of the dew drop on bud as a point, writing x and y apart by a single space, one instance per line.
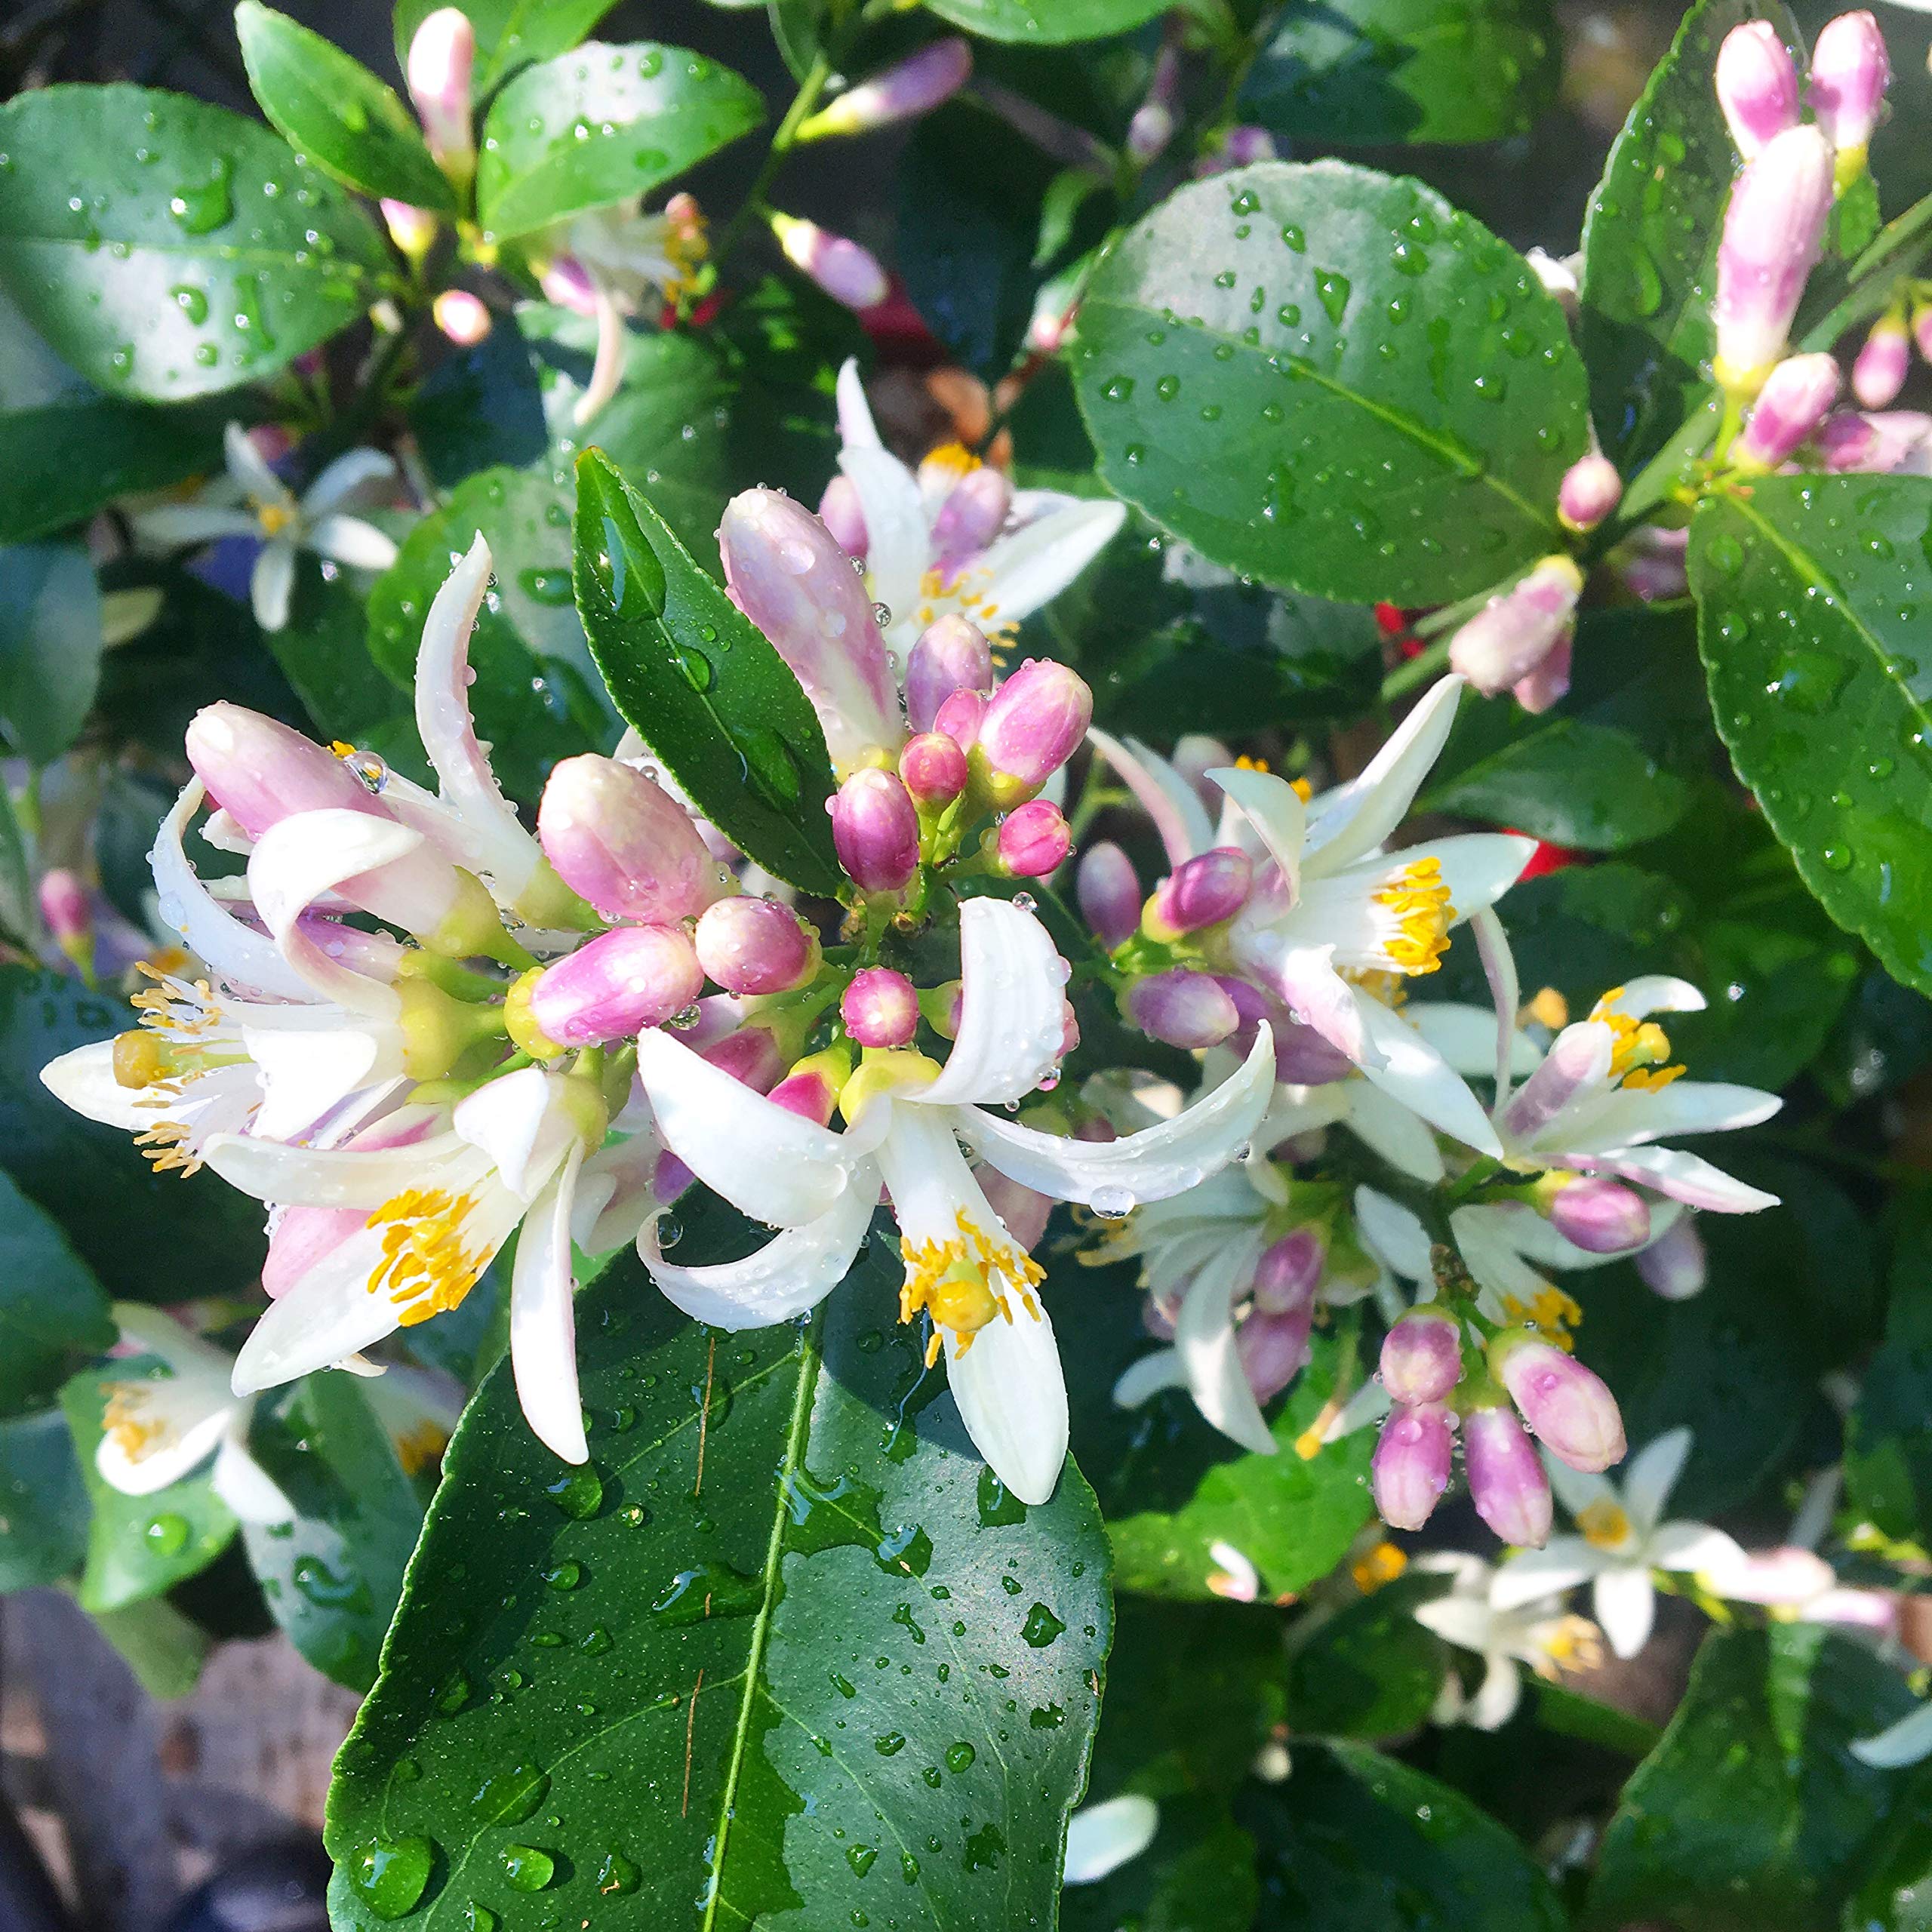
882 615
683 1022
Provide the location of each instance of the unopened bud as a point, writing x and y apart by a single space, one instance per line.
1507 1483
616 985
1273 1349
624 844
1774 229
1795 398
942 1007
1033 724
441 56
1410 1469
875 828
1183 1007
841 512
756 945
1673 1265
1288 1272
846 272
1515 633
960 718
951 655
1421 1356
1849 72
461 316
1034 840
1600 1216
934 769
1757 82
973 513
63 905
1570 1407
566 282
914 86
1240 146
1589 492
1880 371
751 1056
1155 120
810 1089
1201 891
1891 441
1108 893
1536 690
881 1007
411 228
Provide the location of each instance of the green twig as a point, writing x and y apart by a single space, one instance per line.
1417 672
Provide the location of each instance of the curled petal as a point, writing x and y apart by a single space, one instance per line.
1274 807
1012 1398
1204 1340
1352 820
543 1322
1167 797
1012 1028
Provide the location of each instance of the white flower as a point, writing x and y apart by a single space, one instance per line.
819 1187
252 501
1537 1632
1908 1742
1624 1539
1048 539
1102 1837
157 1429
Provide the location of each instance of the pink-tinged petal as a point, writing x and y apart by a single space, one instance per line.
1026 570
1682 1176
1274 809
1576 1068
1205 1341
1167 797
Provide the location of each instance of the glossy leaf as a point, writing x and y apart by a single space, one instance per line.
1650 241
169 248
53 1313
336 113
1888 1447
709 696
1328 378
1370 1670
1197 1875
1045 23
510 34
50 646
43 1502
1809 622
59 462
19 917
1378 71
600 125
1752 1815
655 1684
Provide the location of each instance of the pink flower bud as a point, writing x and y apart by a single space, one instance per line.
934 769
876 828
1756 83
1023 1213
1152 127
1673 1265
461 317
1515 633
881 1007
913 86
1196 755
973 513
1409 1468
1880 371
1108 893
790 576
1033 724
1921 330
1774 229
841 512
1183 1007
566 282
616 985
1200 891
808 1092
756 945
1288 1272
1849 72
411 228
1790 407
960 717
1302 1058
1892 441
1589 492
1240 147
1569 1406
624 844
1273 1349
846 272
1538 690
951 655
1507 1483
1034 841
751 1056
63 905
1421 1356
943 1005
441 58
1601 1215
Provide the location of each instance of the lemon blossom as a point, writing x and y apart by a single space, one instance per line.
1538 1632
1102 1837
905 1118
252 501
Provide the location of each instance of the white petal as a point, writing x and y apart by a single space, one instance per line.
1499 966
543 1320
333 1177
1482 1234
1147 1376
307 1071
1012 1398
1695 1548
607 371
175 526
1495 1703
1632 1116
1467 1621
167 1463
350 540
84 1080
898 538
1394 1234
1625 1603
1204 1340
1406 1066
856 428
1478 868
1275 808
1352 819
1657 992
252 1495
249 468
1148 1166
1102 1837
1651 1475
342 478
1306 978
523 1123
1908 1742
1560 1564
1685 1177
774 1165
1167 797
1401 1138
1030 567
271 583
1465 1036
1012 996
159 1334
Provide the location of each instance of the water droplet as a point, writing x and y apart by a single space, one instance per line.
166 1535
617 1874
892 1743
578 1492
509 1797
1333 288
191 301
1113 1202
388 1874
959 1757
1042 1626
551 586
527 1867
202 207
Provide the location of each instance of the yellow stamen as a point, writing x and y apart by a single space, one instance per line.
1382 1564
1603 1523
1549 1008
1551 1311
950 459
426 1267
130 1425
1642 1046
274 517
1575 1644
953 1280
1418 901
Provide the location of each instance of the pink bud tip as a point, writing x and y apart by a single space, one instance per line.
913 86
260 772
1034 841
846 272
973 515
959 718
1538 690
1589 492
1756 83
875 829
752 1055
1108 893
566 282
1196 755
951 655
1035 722
617 985
1774 229
1883 363
840 510
461 316
1849 72
1790 407
441 56
1673 1265
411 228
881 1007
1273 1349
1183 1007
809 1094
1421 1356
63 905
1507 1483
1410 1469
934 769
1201 891
756 945
1302 1058
1601 1215
1512 635
1569 1406
1286 1276
622 843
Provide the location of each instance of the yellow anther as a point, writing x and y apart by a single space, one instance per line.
1575 1644
426 1268
950 459
955 1280
1603 1523
1640 1046
1382 1564
1549 1008
130 1423
1417 902
140 1058
1551 1311
274 517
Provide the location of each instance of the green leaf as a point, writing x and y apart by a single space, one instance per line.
1752 1815
332 1577
701 685
1810 626
18 916
1650 241
1378 71
169 248
1047 22
164 1649
1353 1842
1329 378
1370 1670
601 125
336 113
50 646
660 1677
139 1546
1197 1875
510 34
325 651
53 1313
43 1502
1888 1443
59 462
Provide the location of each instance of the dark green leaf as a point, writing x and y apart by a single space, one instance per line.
1197 1875
1752 1815
510 34
660 1677
480 409
43 1502
701 687
1809 622
1043 23
50 646
336 113
1370 1670
53 1313
19 917
600 125
1326 377
1376 71
1650 241
164 1649
1883 1037
167 248
324 652
62 461
1888 1444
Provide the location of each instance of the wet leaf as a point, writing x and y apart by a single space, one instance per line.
510 34
52 1312
1888 1448
61 461
50 646
1045 23
1370 1670
43 1502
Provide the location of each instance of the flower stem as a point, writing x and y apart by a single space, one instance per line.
1417 672
804 103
